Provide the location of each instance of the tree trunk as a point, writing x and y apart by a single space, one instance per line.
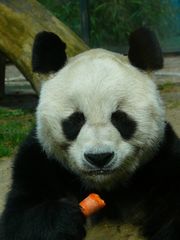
20 21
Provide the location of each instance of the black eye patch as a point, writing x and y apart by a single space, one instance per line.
72 125
124 124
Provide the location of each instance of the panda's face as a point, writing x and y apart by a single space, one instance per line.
100 117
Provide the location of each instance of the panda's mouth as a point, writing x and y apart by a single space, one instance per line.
96 172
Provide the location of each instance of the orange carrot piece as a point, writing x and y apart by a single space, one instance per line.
91 204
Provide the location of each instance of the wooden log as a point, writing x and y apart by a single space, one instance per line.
20 21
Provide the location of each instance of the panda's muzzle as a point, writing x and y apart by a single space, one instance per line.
99 160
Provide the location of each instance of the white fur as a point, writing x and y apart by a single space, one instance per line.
97 83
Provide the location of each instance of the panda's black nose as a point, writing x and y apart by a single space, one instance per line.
99 160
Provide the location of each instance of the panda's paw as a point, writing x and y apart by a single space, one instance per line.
72 221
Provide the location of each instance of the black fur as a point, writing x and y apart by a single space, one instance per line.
48 54
72 125
144 50
43 201
124 124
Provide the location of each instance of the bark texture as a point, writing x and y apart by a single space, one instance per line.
20 21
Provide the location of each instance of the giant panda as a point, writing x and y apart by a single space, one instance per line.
100 127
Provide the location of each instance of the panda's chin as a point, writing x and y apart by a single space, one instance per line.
99 178
97 181
106 178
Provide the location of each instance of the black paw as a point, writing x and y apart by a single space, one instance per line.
72 221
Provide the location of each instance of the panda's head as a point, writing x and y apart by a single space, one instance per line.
100 116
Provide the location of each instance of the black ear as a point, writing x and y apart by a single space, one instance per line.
48 53
145 51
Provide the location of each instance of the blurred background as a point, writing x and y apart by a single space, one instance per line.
108 23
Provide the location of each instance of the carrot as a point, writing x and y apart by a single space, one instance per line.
91 204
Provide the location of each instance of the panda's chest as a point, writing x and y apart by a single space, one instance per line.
114 231
122 218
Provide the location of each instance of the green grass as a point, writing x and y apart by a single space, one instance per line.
14 126
173 104
169 87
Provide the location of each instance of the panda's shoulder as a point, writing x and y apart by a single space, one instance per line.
171 143
167 160
30 149
32 166
165 164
